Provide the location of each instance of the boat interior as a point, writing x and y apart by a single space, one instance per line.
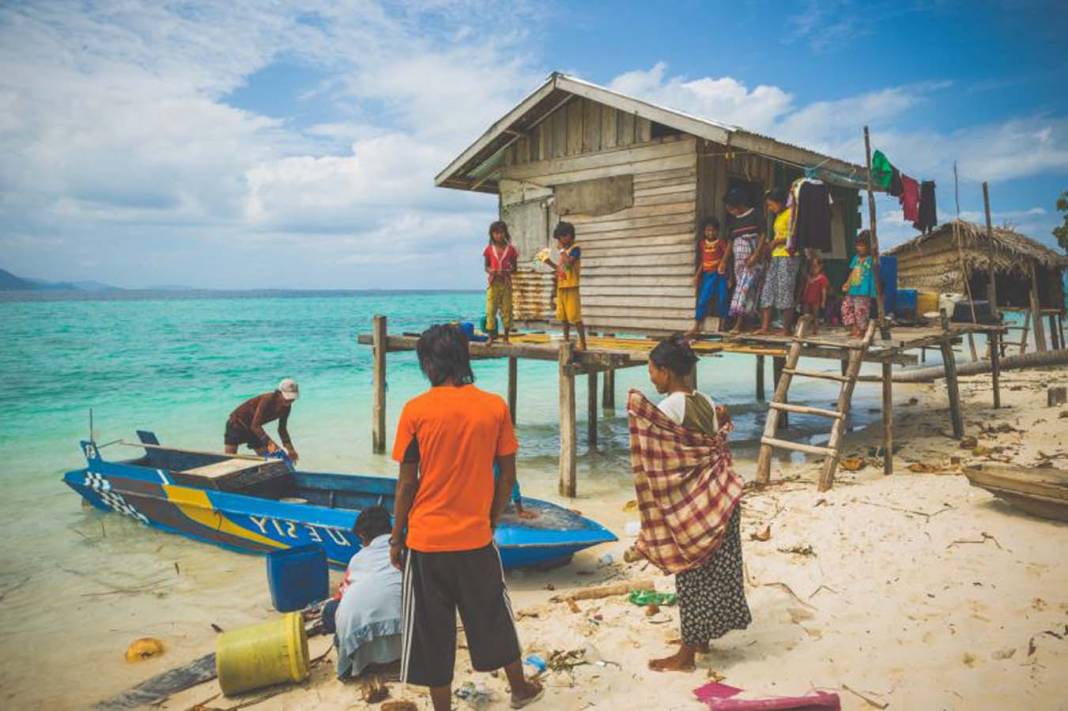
265 479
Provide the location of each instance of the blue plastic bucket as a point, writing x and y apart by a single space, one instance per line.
297 577
906 303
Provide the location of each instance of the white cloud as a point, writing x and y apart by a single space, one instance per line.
115 115
722 99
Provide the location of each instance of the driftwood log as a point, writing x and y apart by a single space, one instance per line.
607 590
1019 362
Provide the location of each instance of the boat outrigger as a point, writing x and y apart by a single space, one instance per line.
257 505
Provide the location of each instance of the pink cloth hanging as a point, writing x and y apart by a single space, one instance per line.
910 198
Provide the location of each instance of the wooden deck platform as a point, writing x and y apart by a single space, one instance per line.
606 354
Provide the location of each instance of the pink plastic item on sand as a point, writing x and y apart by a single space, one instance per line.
718 697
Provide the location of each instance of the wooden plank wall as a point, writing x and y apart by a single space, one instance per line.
580 126
637 263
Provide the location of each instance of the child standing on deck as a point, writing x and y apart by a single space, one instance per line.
568 305
859 288
501 258
814 296
711 275
781 277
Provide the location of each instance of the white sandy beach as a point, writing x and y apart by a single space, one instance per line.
910 591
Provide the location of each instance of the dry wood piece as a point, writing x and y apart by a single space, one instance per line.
1056 396
607 591
867 697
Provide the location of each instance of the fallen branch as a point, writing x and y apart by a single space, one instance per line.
985 537
866 698
754 583
925 514
606 591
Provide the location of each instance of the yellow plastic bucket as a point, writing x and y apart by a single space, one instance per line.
264 654
926 302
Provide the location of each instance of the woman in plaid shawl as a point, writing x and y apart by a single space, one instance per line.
688 495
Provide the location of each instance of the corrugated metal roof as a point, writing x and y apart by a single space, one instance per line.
472 169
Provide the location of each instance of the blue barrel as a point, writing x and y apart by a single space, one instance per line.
888 275
906 303
297 577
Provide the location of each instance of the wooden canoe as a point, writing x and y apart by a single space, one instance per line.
1042 492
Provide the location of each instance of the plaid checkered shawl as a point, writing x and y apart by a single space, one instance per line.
687 487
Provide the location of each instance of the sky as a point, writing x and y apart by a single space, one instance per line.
293 145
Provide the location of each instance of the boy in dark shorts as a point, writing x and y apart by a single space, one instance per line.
447 507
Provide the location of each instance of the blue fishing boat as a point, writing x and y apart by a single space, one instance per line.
255 505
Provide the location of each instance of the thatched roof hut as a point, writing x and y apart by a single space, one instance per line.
933 261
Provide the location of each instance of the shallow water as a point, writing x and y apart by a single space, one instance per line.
78 585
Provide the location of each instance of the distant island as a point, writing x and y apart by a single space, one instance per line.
10 282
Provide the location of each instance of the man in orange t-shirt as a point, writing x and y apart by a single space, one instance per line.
446 509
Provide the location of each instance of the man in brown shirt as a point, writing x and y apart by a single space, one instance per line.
245 425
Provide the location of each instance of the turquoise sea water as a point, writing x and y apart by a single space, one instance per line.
77 579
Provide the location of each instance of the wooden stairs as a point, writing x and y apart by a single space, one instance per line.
853 354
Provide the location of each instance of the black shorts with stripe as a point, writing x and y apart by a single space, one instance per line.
436 585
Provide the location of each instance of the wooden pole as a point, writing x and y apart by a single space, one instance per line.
591 409
992 286
378 413
1036 312
760 378
568 483
995 366
949 364
1053 341
884 331
888 419
513 385
608 396
777 364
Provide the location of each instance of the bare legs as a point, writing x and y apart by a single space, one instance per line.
524 691
581 334
682 660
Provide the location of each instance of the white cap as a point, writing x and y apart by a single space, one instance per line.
288 388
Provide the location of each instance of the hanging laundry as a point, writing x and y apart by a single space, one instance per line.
928 212
882 172
910 198
810 225
895 182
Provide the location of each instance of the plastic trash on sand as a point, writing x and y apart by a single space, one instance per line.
536 663
633 528
651 597
722 697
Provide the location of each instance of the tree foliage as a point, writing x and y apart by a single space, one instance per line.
1061 233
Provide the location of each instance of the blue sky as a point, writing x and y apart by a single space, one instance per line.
241 145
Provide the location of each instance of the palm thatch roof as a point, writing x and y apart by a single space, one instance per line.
934 259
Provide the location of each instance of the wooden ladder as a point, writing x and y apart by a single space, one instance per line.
1025 330
778 404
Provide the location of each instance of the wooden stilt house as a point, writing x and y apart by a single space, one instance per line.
636 180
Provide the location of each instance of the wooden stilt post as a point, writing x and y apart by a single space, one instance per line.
995 366
992 286
1036 312
378 413
952 386
777 364
513 385
888 418
1053 340
568 482
591 409
884 330
760 378
608 396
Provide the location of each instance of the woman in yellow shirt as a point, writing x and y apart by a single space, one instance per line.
780 280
